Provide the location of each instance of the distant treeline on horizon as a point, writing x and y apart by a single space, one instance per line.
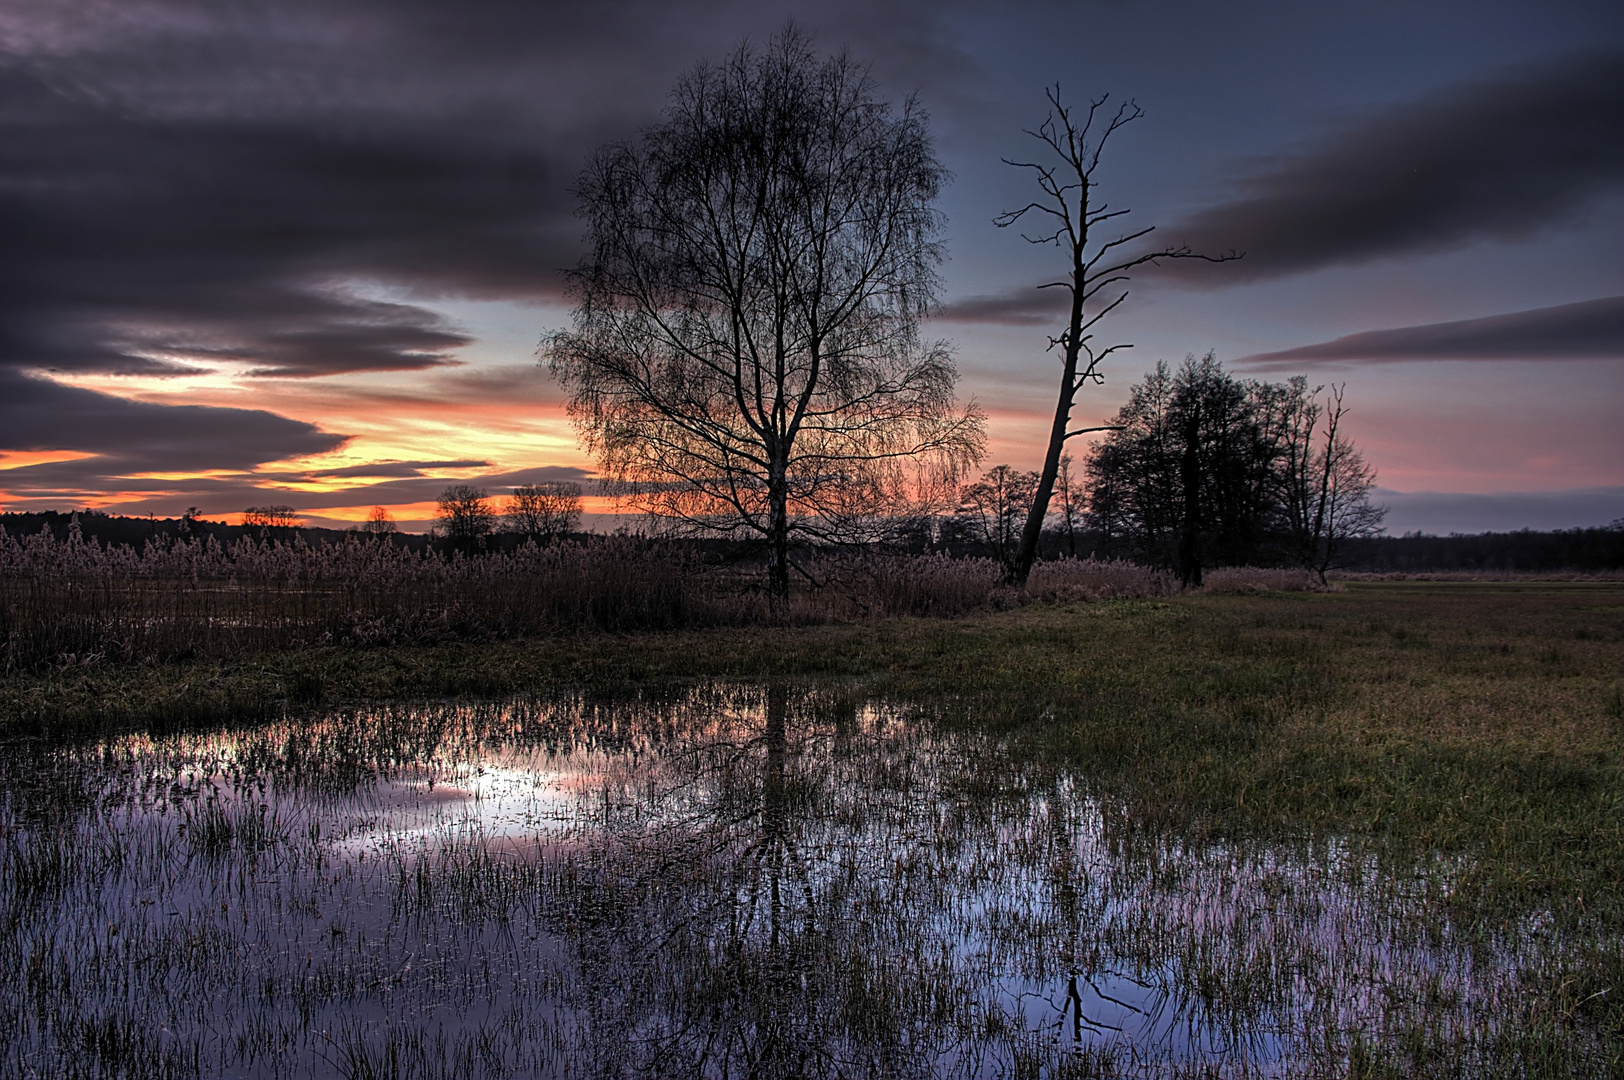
1524 550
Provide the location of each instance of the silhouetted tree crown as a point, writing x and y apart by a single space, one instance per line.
465 517
745 359
544 512
1204 470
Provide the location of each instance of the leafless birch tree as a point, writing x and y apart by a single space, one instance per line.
745 358
1327 482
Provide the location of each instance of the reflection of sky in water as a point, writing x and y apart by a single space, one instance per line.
521 882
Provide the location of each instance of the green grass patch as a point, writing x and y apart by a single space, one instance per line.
1479 719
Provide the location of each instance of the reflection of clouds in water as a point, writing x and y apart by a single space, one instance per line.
490 803
732 880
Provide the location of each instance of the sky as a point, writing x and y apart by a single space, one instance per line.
302 252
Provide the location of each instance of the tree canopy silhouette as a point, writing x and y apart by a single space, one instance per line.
1202 469
745 358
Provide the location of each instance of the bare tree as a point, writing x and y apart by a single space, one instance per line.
466 517
745 359
380 523
1326 482
995 507
1097 267
1070 499
544 512
276 520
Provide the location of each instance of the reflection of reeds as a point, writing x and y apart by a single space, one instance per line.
215 829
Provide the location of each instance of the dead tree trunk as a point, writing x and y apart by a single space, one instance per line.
1066 186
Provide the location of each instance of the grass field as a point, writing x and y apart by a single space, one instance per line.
1466 737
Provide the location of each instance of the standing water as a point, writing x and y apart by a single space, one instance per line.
737 882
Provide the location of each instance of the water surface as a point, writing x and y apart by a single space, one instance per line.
735 882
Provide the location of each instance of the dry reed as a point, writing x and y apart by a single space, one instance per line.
77 602
1253 579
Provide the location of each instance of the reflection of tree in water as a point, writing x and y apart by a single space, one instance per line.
729 882
770 951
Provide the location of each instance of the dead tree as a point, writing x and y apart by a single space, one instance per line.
1096 268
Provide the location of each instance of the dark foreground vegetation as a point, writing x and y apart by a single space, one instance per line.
1122 828
1452 754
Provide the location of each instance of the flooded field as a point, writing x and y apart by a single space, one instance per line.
738 881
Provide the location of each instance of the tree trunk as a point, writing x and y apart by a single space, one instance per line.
1033 533
778 532
1189 557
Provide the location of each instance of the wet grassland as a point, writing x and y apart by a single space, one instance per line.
1376 832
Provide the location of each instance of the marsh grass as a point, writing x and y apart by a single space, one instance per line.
721 880
76 603
1458 744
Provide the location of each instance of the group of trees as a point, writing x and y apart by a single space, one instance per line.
1202 469
275 520
1199 469
542 513
746 360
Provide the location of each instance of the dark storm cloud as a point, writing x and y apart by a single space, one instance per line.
183 183
1493 160
136 241
136 437
1022 307
286 186
1589 330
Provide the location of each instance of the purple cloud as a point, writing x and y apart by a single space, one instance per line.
1588 330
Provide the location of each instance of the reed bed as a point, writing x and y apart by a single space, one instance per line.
1256 579
76 602
1094 579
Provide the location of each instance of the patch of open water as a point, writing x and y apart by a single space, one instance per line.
738 882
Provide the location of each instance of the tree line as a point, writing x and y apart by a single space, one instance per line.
1199 469
542 513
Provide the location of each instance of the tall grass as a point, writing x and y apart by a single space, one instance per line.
80 602
77 602
1255 579
1093 579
